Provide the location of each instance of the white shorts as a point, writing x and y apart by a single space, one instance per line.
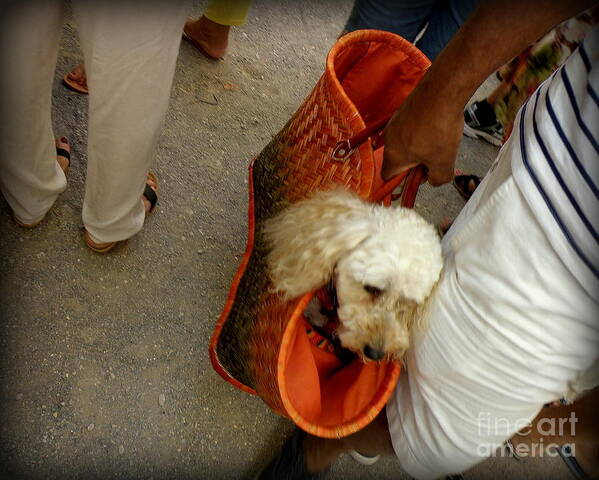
508 328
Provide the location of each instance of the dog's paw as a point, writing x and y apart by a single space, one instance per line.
314 315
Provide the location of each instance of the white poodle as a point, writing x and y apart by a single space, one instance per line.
384 263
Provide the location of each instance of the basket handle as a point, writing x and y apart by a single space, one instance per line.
413 179
344 148
415 175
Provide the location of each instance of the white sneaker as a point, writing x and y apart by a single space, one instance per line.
474 127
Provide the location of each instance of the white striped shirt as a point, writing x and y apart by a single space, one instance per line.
513 321
558 166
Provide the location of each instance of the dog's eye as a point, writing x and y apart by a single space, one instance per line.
374 291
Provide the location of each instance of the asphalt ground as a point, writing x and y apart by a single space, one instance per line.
104 358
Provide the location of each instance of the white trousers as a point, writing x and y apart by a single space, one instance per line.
130 50
509 329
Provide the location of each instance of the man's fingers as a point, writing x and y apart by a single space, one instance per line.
434 176
416 136
390 170
439 173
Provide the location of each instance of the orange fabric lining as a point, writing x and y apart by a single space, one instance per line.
369 73
302 373
323 392
376 78
371 82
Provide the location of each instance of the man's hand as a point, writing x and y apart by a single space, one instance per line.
423 132
427 128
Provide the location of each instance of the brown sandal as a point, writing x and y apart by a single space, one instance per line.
152 197
60 152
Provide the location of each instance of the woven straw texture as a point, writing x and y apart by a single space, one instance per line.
297 162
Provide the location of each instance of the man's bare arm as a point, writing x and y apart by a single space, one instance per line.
427 128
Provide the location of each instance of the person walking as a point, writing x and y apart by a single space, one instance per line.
130 56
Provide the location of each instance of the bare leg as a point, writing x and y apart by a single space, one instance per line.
212 38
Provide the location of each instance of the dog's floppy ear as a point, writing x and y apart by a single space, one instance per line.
307 239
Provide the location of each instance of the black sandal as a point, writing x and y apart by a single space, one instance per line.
151 196
462 184
60 152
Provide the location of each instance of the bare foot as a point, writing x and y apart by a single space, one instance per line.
63 161
76 79
209 37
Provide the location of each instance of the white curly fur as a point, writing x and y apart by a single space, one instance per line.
361 244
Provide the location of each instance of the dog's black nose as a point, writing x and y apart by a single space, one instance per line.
373 353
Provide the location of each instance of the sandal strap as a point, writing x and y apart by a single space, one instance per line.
466 178
151 196
63 153
461 183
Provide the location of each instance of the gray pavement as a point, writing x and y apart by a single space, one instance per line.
105 371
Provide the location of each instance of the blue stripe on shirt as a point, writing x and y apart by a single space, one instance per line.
557 173
585 57
545 197
587 63
569 147
593 94
579 119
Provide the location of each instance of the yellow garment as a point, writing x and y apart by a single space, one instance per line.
228 12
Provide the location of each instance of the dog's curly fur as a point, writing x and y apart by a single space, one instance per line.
384 261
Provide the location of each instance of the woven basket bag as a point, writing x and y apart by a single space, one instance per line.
260 343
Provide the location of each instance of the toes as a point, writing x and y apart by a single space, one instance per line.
77 73
74 76
152 181
63 142
78 76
